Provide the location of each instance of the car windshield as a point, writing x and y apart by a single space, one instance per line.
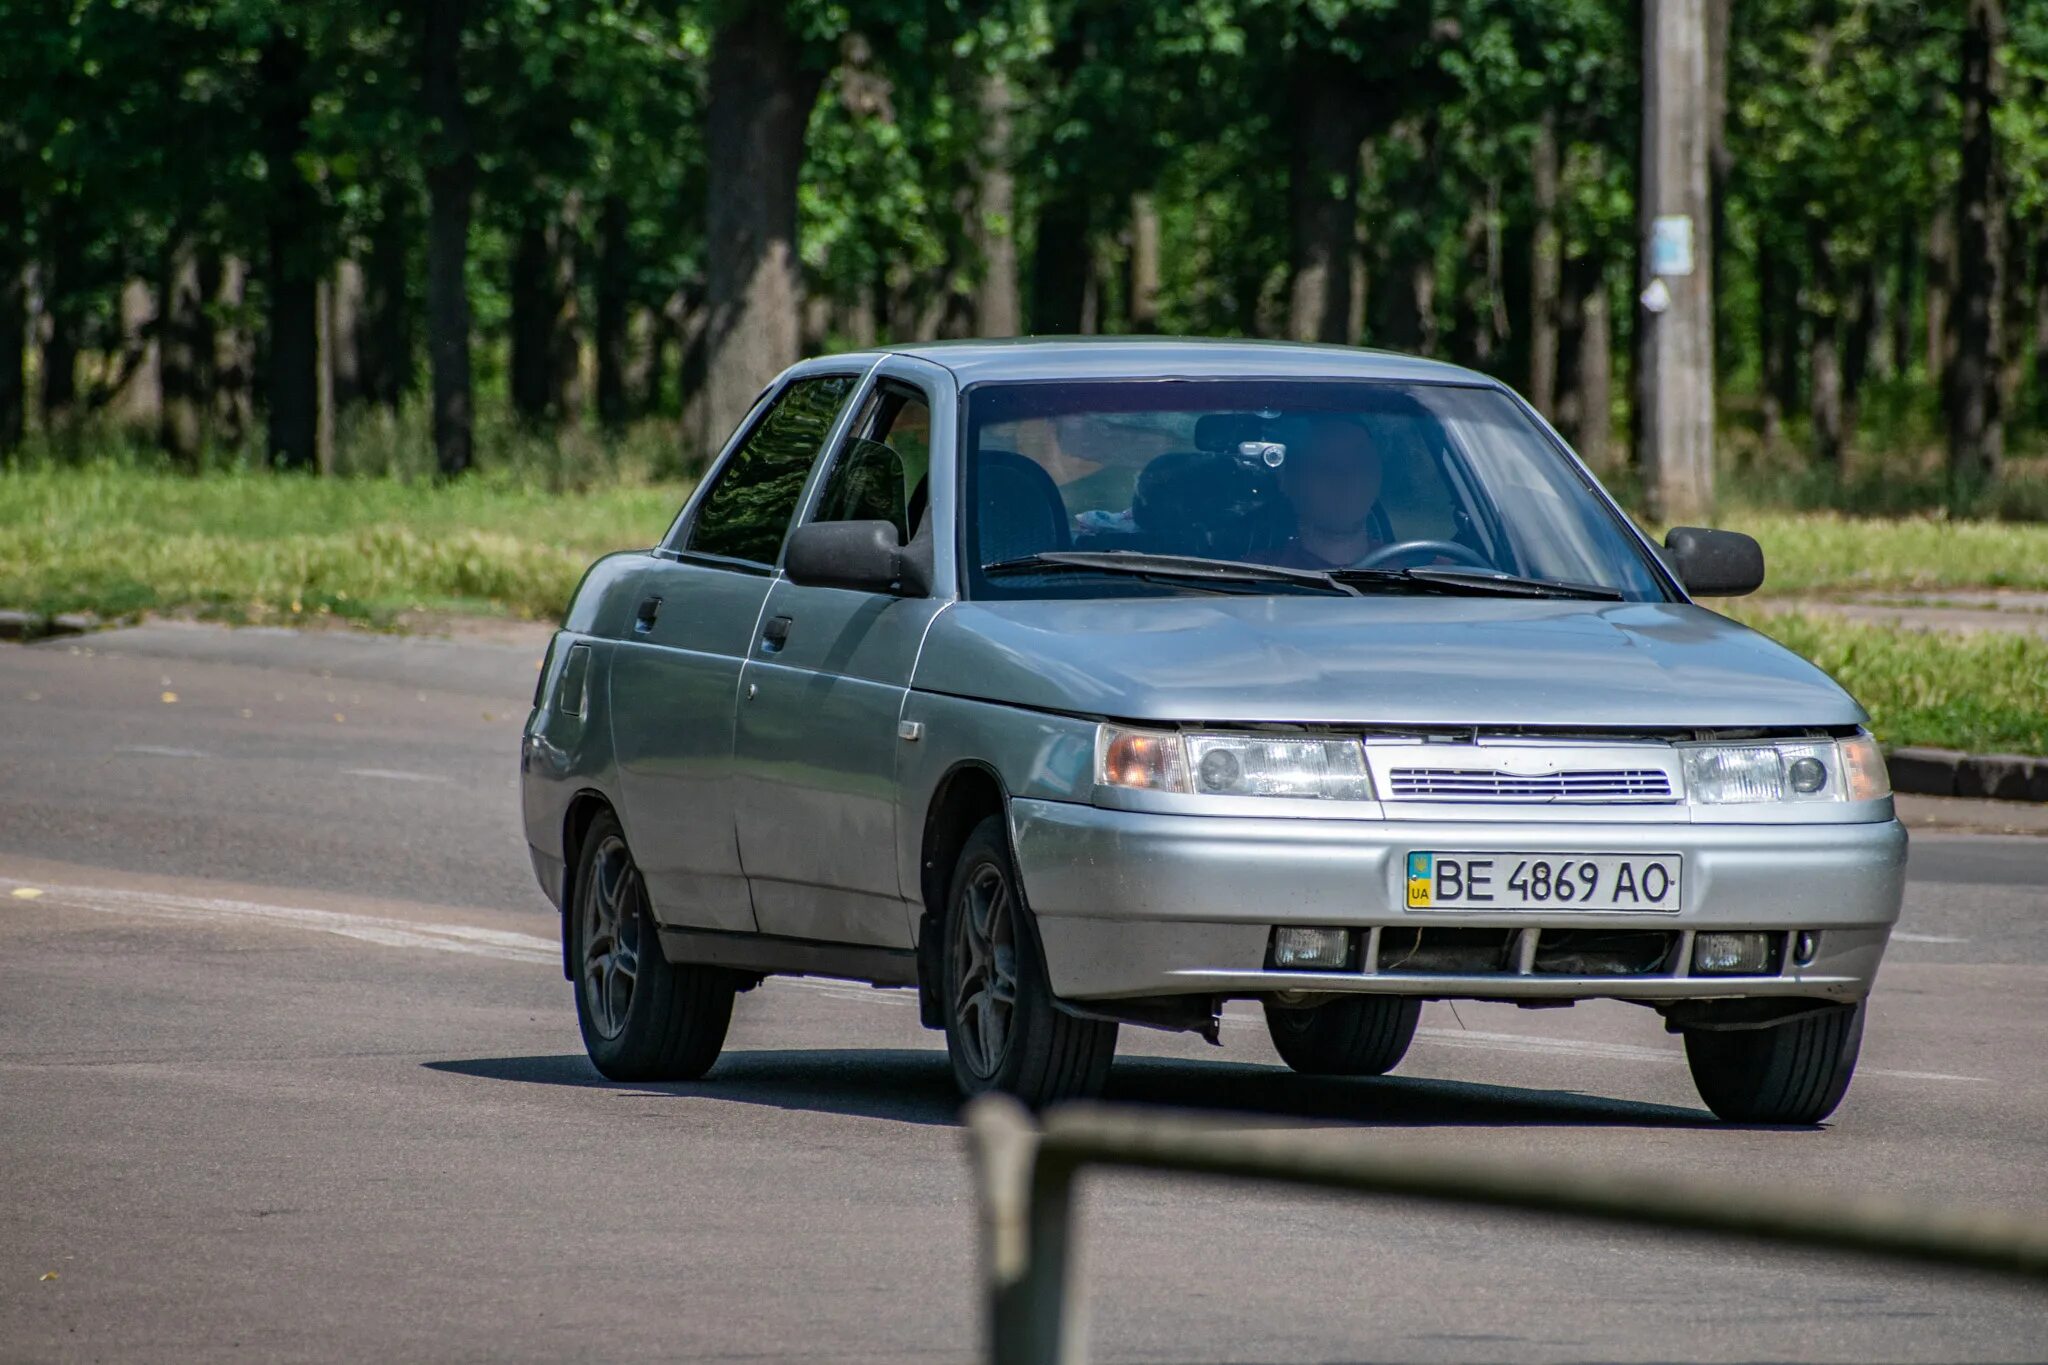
1107 488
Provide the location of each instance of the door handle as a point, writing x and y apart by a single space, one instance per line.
775 634
643 619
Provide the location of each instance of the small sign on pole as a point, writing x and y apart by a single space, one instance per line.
1671 244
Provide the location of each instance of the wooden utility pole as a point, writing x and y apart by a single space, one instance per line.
1675 388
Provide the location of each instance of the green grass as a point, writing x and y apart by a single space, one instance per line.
269 547
1825 552
1982 692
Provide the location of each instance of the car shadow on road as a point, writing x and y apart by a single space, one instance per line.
916 1086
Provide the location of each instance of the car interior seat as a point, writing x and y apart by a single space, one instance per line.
1018 508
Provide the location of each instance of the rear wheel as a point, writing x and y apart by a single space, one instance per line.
1795 1072
1003 1029
642 1018
1359 1035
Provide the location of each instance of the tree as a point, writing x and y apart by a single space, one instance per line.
451 180
762 86
1976 433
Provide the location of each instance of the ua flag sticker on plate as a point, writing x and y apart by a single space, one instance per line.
1418 880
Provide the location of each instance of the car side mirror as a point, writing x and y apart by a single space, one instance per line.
865 556
1715 563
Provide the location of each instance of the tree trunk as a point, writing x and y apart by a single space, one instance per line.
133 387
1824 353
186 339
2012 324
323 376
62 272
234 355
1546 261
527 379
1903 298
1976 433
1322 196
614 304
1772 345
1941 274
760 102
451 182
1144 278
693 329
386 364
292 276
1585 376
1720 165
2041 328
346 292
993 226
13 320
1061 262
1863 325
1675 386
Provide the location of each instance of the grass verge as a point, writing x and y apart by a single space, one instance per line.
270 547
1985 693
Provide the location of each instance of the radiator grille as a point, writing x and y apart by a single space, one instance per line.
1591 785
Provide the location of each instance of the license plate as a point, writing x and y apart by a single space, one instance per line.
1543 881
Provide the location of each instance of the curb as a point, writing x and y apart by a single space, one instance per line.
24 627
1987 777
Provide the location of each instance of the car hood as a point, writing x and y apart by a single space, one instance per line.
1378 660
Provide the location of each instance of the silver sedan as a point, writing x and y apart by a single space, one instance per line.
1080 684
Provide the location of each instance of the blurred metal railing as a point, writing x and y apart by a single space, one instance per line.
1025 1176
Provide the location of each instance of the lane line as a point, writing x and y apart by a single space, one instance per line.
161 751
1901 936
509 946
394 775
391 933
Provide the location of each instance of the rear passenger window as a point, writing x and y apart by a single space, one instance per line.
749 508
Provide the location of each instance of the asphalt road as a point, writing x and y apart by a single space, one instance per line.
288 1070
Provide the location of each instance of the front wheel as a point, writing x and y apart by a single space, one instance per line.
642 1018
1004 1031
1795 1072
1359 1035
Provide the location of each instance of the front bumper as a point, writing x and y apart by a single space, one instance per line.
1132 904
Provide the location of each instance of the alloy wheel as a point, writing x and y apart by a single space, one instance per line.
985 969
612 918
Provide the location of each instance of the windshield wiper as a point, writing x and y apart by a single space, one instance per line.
1143 565
1477 582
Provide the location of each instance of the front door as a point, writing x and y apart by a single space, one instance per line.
676 675
820 700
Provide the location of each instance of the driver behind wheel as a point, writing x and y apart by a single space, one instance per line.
1331 478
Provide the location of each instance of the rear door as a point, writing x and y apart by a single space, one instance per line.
823 692
676 675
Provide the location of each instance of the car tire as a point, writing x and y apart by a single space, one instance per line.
1004 1030
1794 1073
642 1018
1359 1035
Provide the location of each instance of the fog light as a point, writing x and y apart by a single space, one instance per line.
1805 948
1312 949
1747 954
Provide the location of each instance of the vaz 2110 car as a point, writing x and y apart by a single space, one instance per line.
1077 684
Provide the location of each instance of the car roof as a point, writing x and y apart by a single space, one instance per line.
1152 357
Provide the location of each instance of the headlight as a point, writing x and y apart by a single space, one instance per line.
1804 770
1232 765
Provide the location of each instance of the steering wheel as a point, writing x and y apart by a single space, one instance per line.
1423 548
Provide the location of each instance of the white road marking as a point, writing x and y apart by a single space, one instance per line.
534 948
1901 936
161 751
394 775
391 933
